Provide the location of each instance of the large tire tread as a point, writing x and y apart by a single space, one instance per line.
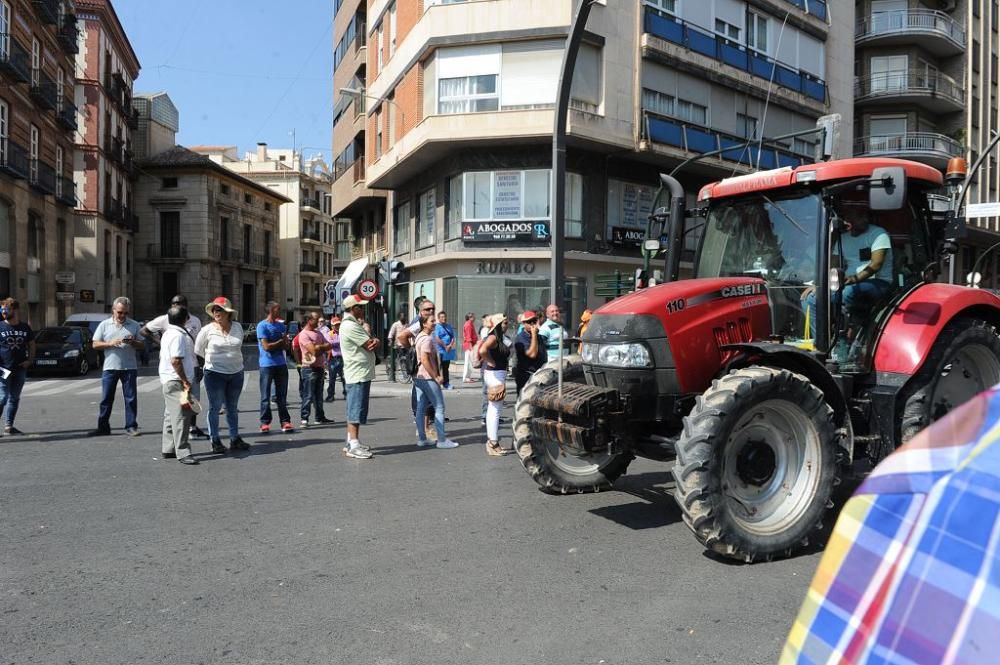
532 454
698 485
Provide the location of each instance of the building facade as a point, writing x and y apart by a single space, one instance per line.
159 122
104 237
458 110
204 231
38 43
314 246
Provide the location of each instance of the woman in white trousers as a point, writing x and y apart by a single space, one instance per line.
495 359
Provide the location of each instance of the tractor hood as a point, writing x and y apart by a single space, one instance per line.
685 324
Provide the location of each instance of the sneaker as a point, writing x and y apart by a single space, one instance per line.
265 428
426 443
197 433
358 452
132 431
10 429
239 444
218 448
447 443
304 424
287 427
325 421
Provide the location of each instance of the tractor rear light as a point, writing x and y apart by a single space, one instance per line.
805 176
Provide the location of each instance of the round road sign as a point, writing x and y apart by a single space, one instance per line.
368 289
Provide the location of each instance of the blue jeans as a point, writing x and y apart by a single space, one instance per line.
10 394
223 389
357 402
109 383
429 394
312 384
274 379
868 291
336 369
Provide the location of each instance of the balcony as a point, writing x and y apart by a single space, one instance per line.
16 62
118 150
47 10
936 31
66 114
691 138
133 119
263 261
231 255
13 159
308 268
308 302
311 203
702 42
311 235
815 7
930 148
342 252
930 90
41 176
43 91
359 169
68 34
66 191
172 252
128 165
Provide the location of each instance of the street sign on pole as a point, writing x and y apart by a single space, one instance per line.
65 277
368 289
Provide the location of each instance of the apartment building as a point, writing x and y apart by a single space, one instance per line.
458 119
104 166
204 231
38 42
314 246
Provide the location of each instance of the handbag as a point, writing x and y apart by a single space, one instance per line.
496 393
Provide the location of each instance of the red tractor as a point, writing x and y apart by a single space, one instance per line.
764 375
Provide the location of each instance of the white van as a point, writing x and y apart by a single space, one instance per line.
90 320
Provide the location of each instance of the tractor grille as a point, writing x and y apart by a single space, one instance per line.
578 400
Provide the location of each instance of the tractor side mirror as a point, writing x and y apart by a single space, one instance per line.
887 188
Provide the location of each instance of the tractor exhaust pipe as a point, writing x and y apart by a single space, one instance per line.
676 234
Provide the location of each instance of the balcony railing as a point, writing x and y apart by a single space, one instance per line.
911 22
310 203
133 119
698 139
342 252
13 159
172 251
66 114
309 302
43 91
263 261
15 61
815 7
234 254
907 143
913 82
359 169
118 150
66 191
703 42
68 33
48 10
42 176
311 235
308 267
128 164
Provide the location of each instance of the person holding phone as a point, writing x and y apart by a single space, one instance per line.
119 338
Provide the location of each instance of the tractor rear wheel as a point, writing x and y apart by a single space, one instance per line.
550 467
964 361
756 463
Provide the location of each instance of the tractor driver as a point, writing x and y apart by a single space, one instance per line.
865 253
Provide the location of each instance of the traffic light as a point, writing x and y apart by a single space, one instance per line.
392 271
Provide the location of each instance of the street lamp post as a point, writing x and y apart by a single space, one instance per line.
359 94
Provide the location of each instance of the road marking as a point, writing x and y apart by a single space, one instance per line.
49 387
149 386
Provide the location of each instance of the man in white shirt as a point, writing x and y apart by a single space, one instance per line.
176 367
118 336
155 329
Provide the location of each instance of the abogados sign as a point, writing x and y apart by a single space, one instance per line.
504 231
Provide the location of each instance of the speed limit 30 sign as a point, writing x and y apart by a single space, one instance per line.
368 289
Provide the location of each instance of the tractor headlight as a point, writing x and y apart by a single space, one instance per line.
622 355
72 353
588 353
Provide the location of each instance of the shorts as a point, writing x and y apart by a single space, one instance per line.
357 402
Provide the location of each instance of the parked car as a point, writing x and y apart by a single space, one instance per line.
64 349
88 321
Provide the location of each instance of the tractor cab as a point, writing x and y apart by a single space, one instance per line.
779 235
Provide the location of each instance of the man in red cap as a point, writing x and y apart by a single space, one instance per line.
336 361
531 355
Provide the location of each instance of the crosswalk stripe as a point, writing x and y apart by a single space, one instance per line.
48 387
149 386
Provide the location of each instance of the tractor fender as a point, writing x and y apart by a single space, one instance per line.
796 360
917 321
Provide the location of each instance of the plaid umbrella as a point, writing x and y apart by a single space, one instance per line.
912 571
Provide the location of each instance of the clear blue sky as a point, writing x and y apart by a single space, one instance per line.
239 71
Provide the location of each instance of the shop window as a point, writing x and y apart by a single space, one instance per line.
510 195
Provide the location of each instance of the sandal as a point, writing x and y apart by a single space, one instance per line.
494 449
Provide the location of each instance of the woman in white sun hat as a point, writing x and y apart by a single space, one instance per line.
220 343
496 359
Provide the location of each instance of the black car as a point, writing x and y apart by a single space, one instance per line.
64 349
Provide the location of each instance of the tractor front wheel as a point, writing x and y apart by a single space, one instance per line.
756 463
556 471
964 361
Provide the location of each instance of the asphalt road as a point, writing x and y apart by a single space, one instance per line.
292 553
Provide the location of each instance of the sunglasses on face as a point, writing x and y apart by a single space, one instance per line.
216 310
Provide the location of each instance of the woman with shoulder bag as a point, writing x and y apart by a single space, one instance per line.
220 343
429 380
496 356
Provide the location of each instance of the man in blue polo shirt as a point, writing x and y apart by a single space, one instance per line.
272 342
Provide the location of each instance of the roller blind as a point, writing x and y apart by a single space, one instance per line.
587 77
731 12
530 73
811 55
468 61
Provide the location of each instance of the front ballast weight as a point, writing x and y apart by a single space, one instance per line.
581 425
